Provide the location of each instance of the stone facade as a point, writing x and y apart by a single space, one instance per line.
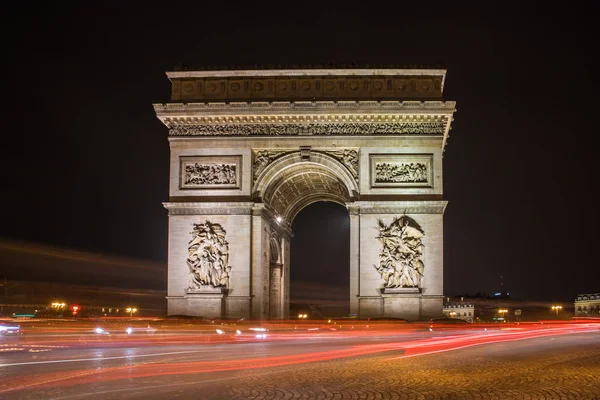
248 154
588 305
464 311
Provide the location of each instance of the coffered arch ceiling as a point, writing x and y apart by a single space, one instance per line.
292 183
301 185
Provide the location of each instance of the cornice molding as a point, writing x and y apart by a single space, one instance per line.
307 72
302 107
304 118
397 207
209 208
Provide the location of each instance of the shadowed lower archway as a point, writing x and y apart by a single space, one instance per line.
320 279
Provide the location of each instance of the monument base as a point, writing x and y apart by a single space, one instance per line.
206 301
401 290
431 307
405 303
402 304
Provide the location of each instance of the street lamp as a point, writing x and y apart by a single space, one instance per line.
131 310
557 309
58 305
502 311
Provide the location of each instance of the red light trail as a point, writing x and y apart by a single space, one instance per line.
410 348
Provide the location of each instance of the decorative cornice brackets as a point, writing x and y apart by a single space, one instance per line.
308 118
397 207
209 208
301 108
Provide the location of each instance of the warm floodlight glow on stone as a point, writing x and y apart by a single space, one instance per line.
261 145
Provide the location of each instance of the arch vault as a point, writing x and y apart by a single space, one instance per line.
250 149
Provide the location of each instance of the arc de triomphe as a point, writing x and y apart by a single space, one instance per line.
250 149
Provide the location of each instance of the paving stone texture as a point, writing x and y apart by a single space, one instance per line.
497 372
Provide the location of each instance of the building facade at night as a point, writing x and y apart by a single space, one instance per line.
464 311
251 148
587 304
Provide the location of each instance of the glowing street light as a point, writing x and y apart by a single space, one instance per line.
58 305
131 310
557 309
502 311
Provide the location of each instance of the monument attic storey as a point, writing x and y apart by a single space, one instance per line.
251 148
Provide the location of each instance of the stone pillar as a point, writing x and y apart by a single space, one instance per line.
275 291
226 301
285 244
260 267
409 302
432 298
354 257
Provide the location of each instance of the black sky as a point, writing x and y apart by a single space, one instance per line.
85 161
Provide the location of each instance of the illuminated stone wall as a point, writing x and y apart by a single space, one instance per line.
252 165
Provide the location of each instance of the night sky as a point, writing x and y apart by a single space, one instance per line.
85 161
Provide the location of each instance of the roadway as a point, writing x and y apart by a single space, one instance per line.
321 361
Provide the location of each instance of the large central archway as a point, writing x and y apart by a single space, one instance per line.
251 149
296 180
286 186
320 261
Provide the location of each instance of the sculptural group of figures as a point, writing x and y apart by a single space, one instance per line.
348 157
210 174
208 256
406 172
400 264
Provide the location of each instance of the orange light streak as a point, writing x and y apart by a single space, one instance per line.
410 348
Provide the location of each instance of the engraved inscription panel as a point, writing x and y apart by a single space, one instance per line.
402 170
203 172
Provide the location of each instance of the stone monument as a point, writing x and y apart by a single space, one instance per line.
251 148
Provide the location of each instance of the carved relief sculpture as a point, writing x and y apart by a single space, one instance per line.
208 257
400 259
392 128
349 158
413 172
262 159
208 172
401 170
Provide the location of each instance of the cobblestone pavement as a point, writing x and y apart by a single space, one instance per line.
548 368
559 367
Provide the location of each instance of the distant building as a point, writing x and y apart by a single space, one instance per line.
502 306
587 304
463 311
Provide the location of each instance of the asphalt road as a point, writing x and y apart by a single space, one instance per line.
516 363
